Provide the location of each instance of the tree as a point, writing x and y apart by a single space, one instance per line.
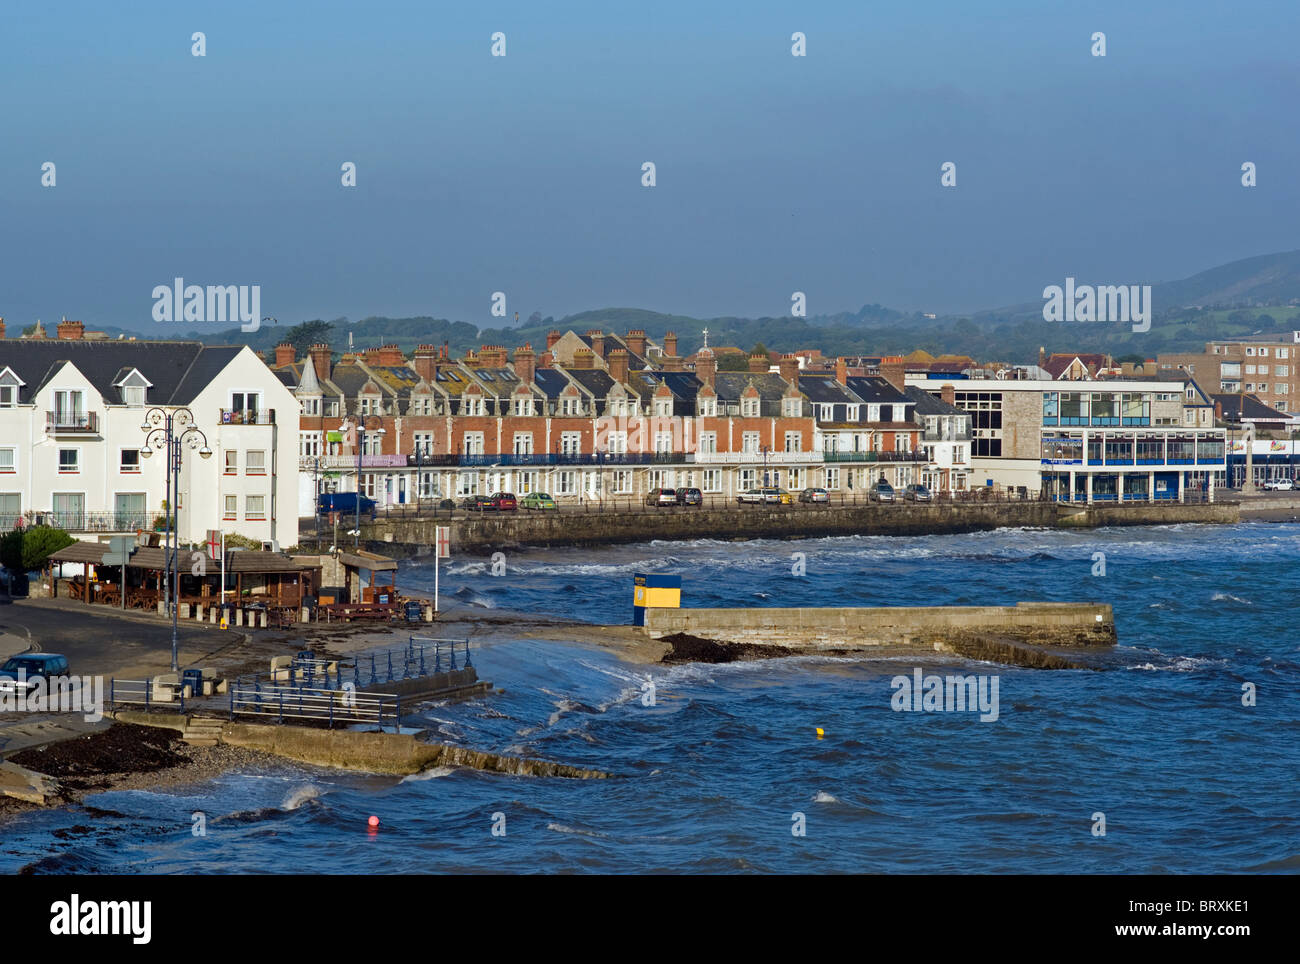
759 349
309 333
23 550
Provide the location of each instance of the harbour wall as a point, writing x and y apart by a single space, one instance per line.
485 532
946 628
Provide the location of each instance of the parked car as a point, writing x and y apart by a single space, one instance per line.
658 497
882 491
538 501
1280 485
345 503
31 666
690 497
917 493
478 503
766 495
504 502
814 495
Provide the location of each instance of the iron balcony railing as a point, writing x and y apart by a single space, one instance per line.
80 521
874 457
76 422
247 417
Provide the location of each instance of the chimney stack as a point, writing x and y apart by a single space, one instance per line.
618 365
71 330
789 367
584 358
670 343
390 356
948 395
546 360
636 341
759 363
425 362
285 354
597 341
672 363
706 367
842 371
320 357
891 370
371 356
552 337
2 329
525 363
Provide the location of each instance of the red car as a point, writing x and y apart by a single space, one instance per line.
504 502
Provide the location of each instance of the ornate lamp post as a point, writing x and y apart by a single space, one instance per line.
168 431
363 426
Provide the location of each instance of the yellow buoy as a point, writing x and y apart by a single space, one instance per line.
820 732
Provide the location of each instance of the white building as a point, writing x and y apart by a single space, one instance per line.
71 438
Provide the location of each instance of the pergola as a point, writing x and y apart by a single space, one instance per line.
356 564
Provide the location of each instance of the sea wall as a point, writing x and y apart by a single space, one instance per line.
915 627
398 536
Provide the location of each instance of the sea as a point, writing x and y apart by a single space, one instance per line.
1180 755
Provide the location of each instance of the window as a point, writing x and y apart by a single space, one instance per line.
69 509
311 406
748 479
622 481
68 410
246 402
1280 371
1283 353
712 480
566 482
129 511
523 406
749 407
794 441
130 461
749 443
422 405
1250 369
423 442
255 507
832 478
570 443
7 396
371 405
7 460
69 460
309 444
232 507
792 407
708 443
255 462
133 395
428 485
523 443
232 462
11 507
473 445
707 407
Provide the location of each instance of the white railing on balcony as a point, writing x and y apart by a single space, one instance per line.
756 458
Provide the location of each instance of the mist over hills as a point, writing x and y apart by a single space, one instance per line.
1253 295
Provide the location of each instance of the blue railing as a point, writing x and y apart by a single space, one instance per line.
302 703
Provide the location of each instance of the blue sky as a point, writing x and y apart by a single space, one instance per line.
522 174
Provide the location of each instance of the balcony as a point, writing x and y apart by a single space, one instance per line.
247 417
781 457
874 456
71 423
93 521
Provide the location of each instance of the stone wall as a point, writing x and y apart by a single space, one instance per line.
1044 624
486 532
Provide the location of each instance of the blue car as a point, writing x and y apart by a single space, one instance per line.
32 666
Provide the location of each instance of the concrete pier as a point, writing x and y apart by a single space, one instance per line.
945 628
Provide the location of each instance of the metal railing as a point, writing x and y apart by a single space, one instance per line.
302 703
71 422
98 521
247 416
143 692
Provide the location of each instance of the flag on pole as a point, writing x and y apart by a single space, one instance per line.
214 544
443 539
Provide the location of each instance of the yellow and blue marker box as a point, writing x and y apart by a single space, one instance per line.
654 590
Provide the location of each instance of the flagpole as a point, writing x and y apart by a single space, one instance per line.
437 549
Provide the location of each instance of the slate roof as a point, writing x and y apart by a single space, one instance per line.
927 404
874 389
1235 407
178 370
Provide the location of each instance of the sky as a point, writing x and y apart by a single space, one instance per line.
522 173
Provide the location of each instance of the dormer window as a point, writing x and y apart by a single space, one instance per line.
134 388
523 406
792 407
663 406
749 407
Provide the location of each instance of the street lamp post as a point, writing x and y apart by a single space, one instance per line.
363 424
167 431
